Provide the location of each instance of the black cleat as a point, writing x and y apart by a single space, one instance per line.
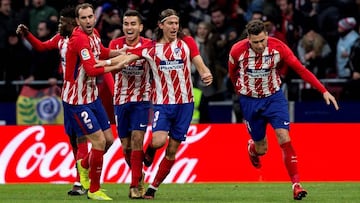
77 190
150 193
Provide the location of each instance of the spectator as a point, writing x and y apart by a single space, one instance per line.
16 62
292 24
201 13
108 23
314 52
351 89
225 35
254 5
272 29
7 26
208 53
347 38
326 14
45 65
149 11
39 12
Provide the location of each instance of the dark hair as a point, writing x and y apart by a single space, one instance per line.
164 14
255 27
134 13
217 8
82 6
68 12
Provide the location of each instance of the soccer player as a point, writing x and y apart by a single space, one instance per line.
170 59
66 24
132 101
82 107
254 65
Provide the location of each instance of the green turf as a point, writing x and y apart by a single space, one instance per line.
329 192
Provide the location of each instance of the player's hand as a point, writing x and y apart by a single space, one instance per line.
22 30
100 63
206 78
329 98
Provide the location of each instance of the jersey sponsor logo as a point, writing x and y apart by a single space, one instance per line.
132 70
85 55
171 65
258 73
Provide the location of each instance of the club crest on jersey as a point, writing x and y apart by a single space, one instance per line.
177 51
85 55
268 59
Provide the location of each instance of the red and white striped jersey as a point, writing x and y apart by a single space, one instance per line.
257 75
80 74
132 84
170 64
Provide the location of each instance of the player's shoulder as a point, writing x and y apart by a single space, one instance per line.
57 37
188 38
78 33
145 40
275 43
117 42
240 46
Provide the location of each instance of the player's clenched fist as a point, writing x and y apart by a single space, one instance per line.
22 30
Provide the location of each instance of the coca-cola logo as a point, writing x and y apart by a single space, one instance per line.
35 155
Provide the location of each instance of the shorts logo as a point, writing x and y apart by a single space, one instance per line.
85 55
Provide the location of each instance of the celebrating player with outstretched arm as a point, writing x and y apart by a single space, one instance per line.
254 65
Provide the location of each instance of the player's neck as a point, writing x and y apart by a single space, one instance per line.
132 43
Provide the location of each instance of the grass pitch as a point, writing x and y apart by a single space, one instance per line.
329 192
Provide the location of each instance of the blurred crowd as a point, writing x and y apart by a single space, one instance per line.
324 34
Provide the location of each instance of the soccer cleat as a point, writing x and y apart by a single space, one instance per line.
150 193
84 175
98 195
255 160
77 190
141 185
134 193
299 192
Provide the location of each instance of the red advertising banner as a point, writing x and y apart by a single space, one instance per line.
211 153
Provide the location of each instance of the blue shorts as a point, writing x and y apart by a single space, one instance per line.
131 116
85 119
258 112
174 118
